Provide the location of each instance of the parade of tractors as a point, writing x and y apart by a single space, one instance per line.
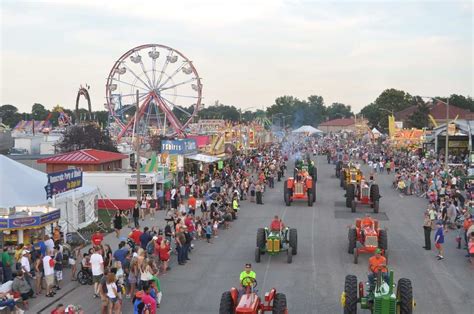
302 186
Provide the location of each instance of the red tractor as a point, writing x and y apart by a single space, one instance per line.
367 233
362 193
300 187
250 303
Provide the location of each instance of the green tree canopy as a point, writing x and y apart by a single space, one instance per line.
9 115
86 136
338 110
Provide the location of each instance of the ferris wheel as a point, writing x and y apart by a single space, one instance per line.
169 92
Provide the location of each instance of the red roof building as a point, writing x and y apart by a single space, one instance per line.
337 125
437 111
86 159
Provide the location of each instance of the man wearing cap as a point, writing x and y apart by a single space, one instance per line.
26 266
377 263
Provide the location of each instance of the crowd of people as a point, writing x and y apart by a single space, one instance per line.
450 199
197 208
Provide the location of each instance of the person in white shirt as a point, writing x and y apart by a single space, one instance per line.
97 267
48 267
49 243
26 267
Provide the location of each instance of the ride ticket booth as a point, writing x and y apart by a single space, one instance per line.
27 224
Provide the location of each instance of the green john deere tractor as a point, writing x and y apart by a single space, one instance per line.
274 242
381 298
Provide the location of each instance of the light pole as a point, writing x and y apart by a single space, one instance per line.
446 147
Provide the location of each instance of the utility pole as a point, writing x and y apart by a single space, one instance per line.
447 137
137 150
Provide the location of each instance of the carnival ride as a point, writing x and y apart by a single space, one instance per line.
83 91
169 93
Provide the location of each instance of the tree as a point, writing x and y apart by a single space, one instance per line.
462 102
338 110
420 118
9 115
39 112
86 136
372 114
298 112
390 100
220 111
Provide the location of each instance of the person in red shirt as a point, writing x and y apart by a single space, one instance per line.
135 235
192 204
97 238
277 224
148 300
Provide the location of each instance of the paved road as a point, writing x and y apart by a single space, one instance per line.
313 282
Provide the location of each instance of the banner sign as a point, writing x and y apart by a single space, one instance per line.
63 181
179 147
30 222
144 179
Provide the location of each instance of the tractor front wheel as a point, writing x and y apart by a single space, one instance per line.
405 296
289 255
310 197
227 304
286 193
293 240
352 240
279 304
261 238
353 206
257 255
350 293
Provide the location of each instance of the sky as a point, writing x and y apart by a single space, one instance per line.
247 53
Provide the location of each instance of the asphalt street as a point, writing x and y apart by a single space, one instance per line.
314 281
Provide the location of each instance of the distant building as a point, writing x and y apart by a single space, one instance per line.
87 160
337 125
437 111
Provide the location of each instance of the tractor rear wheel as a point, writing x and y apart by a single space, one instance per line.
227 304
257 255
356 256
338 169
353 206
350 291
310 197
315 174
293 240
286 193
374 192
279 304
405 296
341 177
376 206
383 239
350 194
289 255
261 238
314 191
352 240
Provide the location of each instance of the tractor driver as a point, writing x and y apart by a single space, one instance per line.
277 224
377 263
247 278
366 223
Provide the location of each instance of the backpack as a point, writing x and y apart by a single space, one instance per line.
150 247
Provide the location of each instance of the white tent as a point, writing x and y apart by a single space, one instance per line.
307 129
375 131
21 185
